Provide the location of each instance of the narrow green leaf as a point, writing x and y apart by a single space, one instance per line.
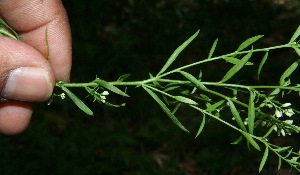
214 106
282 149
274 93
293 162
185 100
289 153
233 60
199 79
288 72
14 34
251 113
192 79
110 87
237 67
201 126
297 50
123 77
279 163
264 159
171 88
251 141
165 109
262 64
166 100
200 75
269 131
177 52
237 141
212 49
205 97
295 35
236 115
176 108
77 101
248 42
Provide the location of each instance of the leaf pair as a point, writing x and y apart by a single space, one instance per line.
293 67
289 70
240 63
236 67
165 108
295 35
75 99
240 122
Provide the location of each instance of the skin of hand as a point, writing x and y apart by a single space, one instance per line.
26 76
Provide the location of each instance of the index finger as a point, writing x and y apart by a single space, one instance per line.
30 18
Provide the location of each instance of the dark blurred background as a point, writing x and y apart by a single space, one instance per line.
111 38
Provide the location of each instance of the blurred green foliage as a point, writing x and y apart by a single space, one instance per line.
111 38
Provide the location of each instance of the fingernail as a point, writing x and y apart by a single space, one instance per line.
28 84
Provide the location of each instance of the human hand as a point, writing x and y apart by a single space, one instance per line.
26 75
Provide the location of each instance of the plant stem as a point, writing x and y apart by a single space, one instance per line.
159 77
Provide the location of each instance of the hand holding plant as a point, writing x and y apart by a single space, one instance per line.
26 76
256 114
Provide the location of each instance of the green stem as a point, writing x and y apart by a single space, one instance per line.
158 78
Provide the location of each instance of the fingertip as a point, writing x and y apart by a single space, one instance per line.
25 75
14 117
28 84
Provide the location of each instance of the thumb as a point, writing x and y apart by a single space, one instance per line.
25 74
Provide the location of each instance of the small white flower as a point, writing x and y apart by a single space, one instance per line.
103 101
102 97
105 93
289 112
275 129
278 113
290 122
269 105
62 95
286 104
246 121
282 132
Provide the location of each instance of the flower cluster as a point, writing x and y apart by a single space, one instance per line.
62 96
284 110
103 96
